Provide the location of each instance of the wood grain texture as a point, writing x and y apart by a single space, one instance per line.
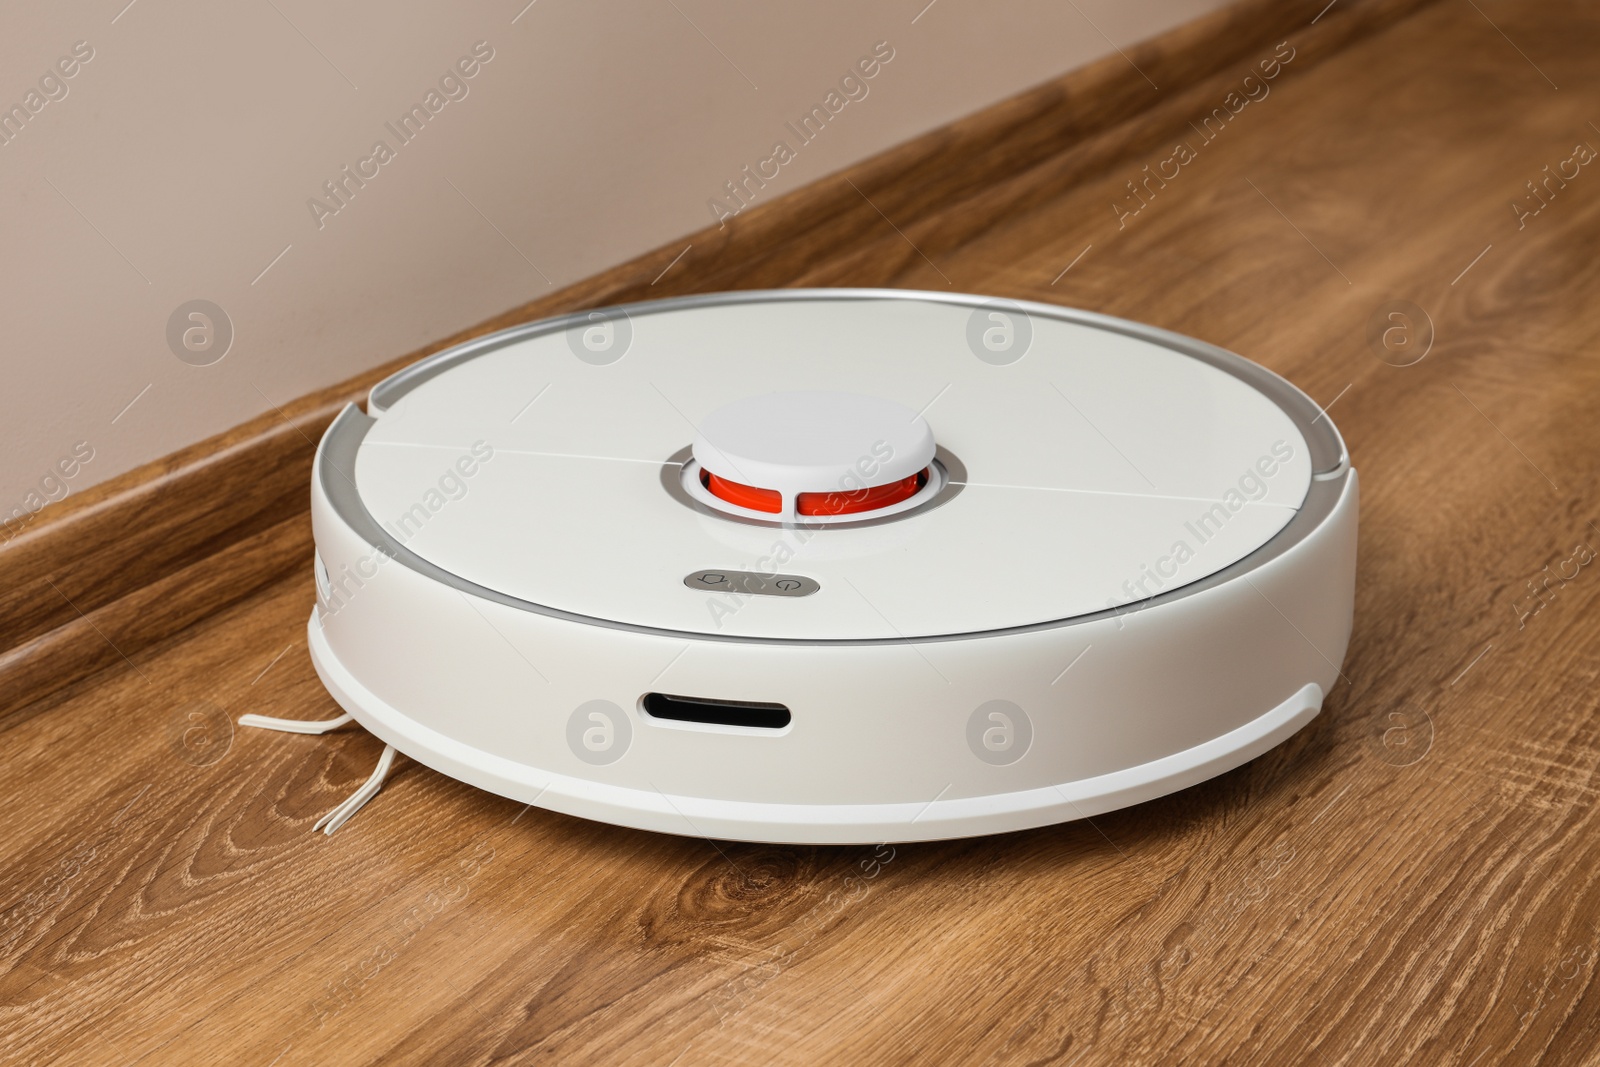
58 570
1413 878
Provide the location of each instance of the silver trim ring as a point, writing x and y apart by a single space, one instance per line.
336 459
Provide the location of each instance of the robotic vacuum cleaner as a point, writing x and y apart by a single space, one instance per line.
831 565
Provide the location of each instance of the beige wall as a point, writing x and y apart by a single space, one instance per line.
177 163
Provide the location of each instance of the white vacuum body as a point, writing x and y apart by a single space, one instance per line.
833 565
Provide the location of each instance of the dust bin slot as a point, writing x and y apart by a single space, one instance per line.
753 715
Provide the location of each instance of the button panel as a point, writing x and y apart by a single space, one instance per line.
741 583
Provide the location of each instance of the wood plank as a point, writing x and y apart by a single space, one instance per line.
106 636
1344 899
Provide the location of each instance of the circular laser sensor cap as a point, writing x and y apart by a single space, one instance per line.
813 442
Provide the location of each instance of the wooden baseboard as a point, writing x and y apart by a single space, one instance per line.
126 564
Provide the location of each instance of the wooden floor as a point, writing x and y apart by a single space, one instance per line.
1413 878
